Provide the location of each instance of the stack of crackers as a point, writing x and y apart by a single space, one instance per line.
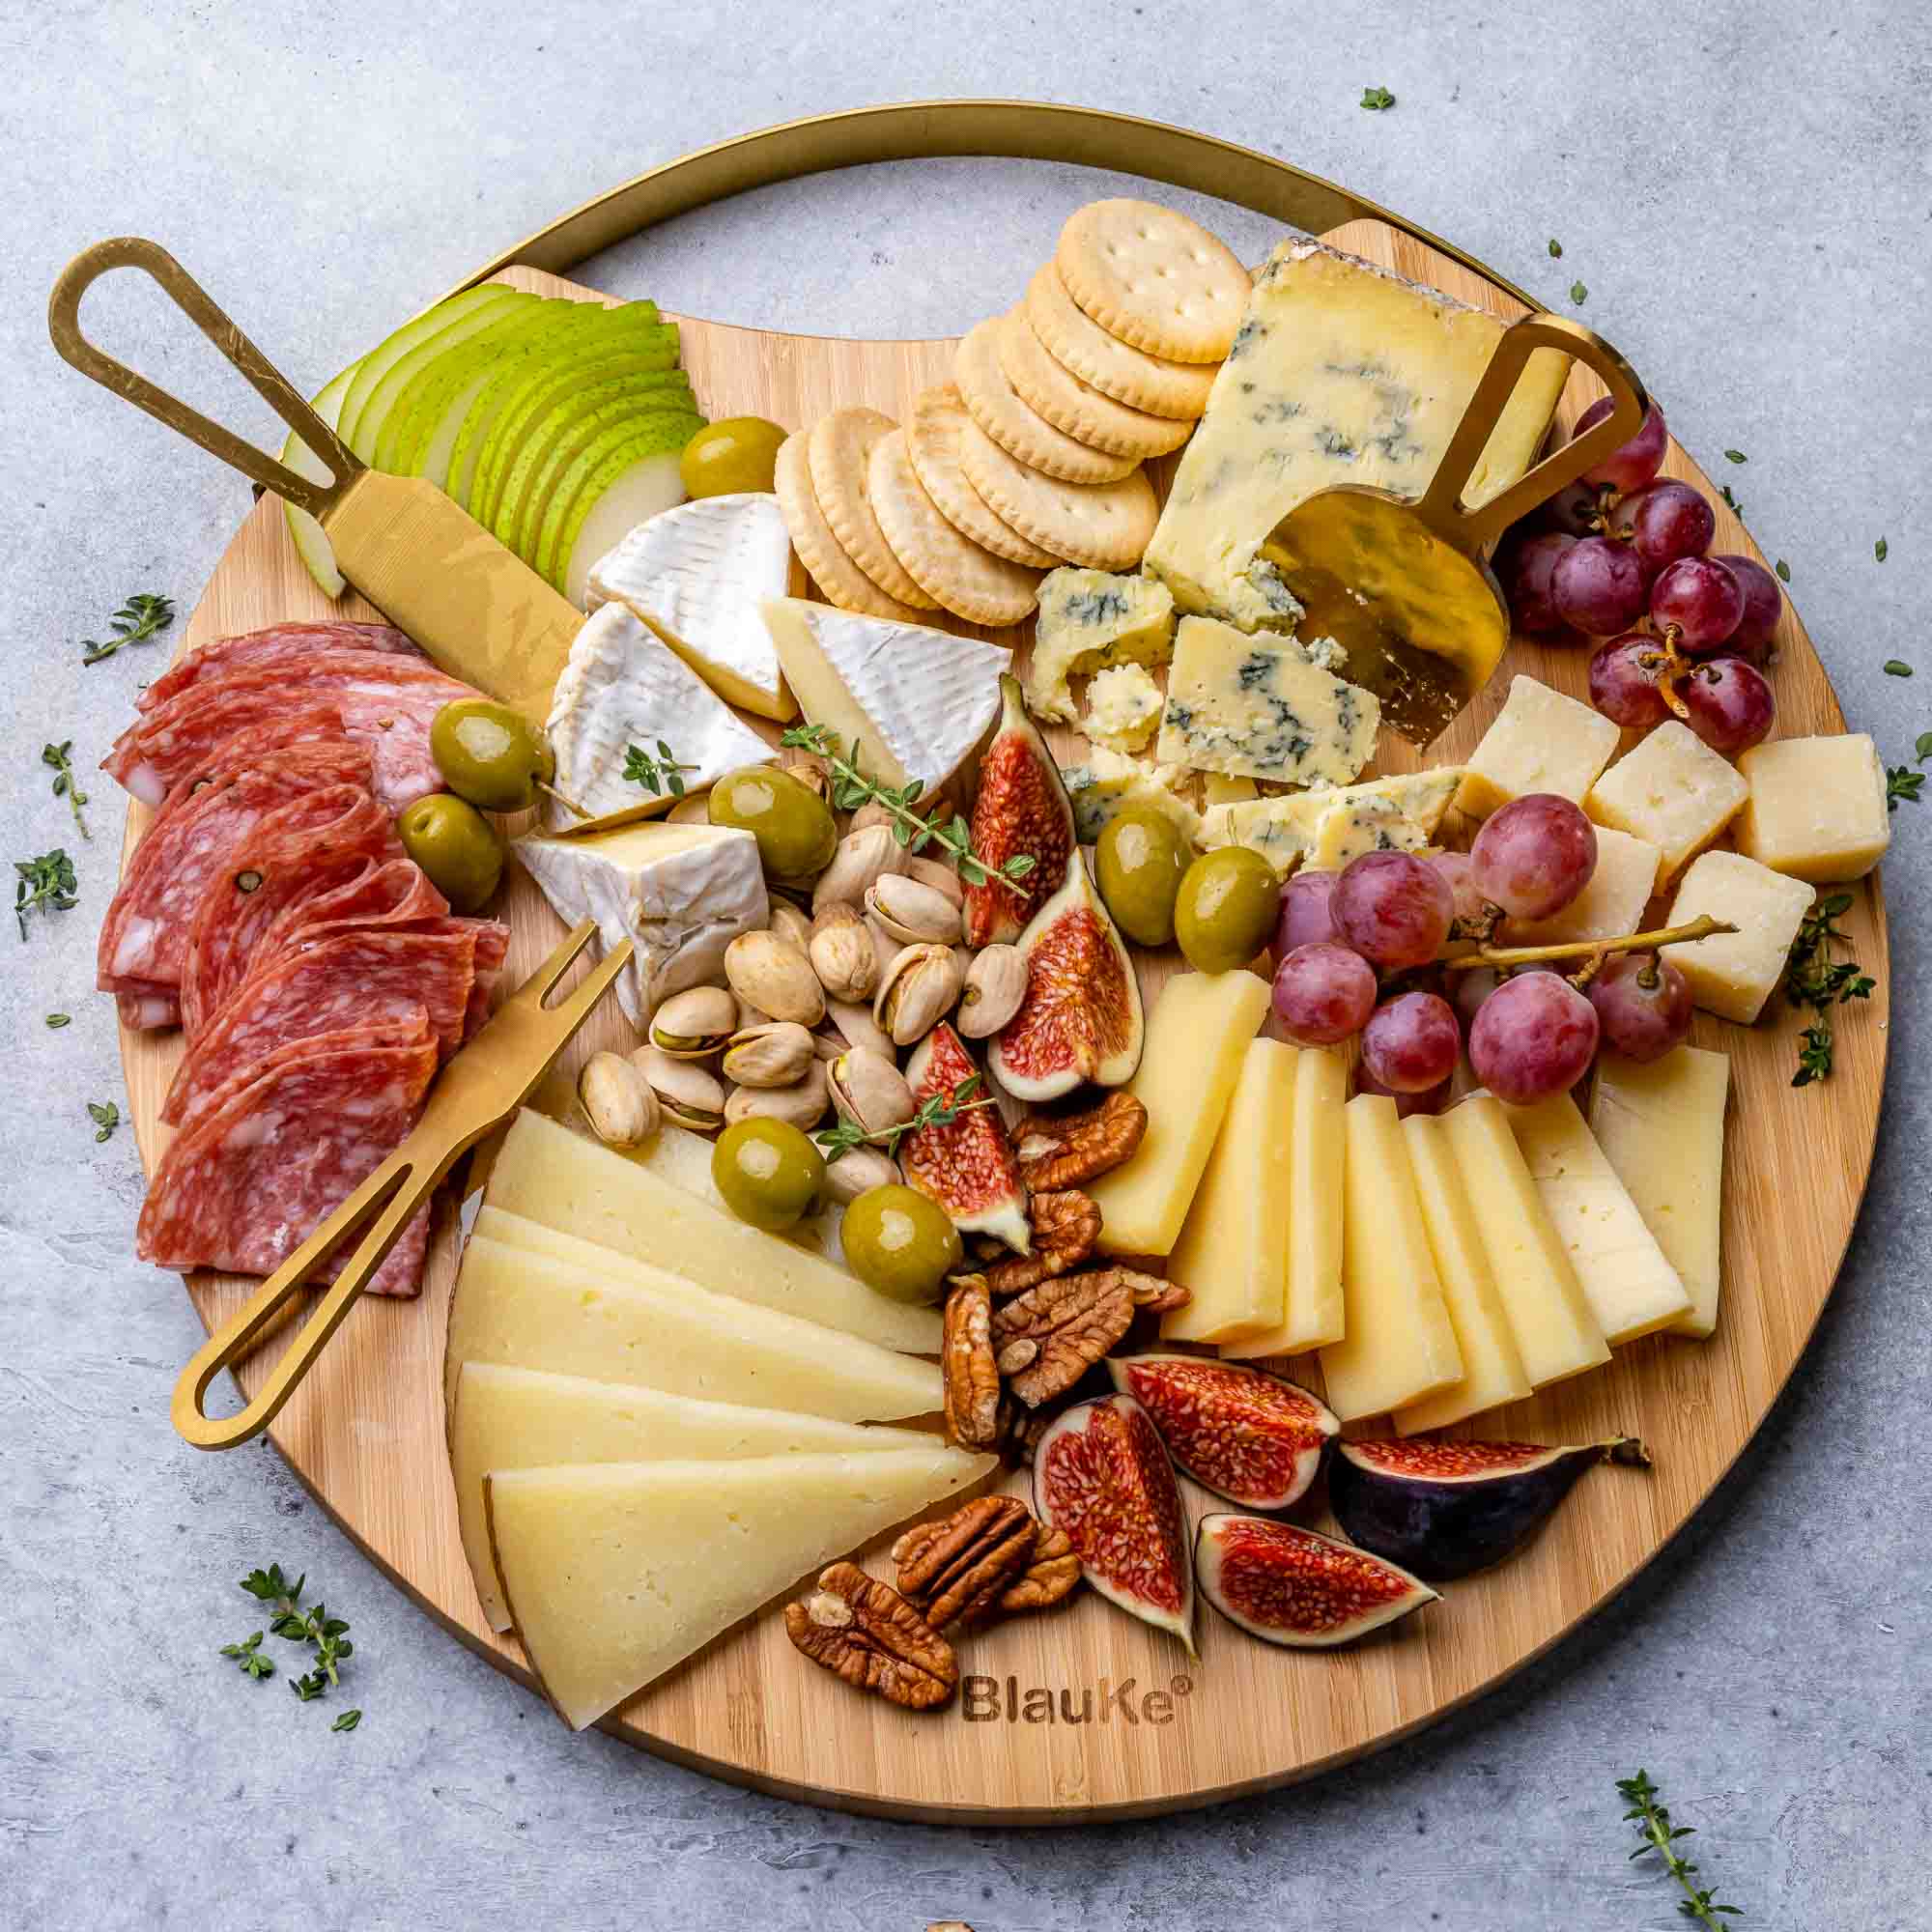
1032 455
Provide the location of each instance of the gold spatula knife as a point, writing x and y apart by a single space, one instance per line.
479 611
479 1089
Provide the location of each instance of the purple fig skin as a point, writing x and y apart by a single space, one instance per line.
1443 1525
1339 1593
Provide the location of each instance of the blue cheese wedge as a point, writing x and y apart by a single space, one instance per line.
1341 373
1122 708
1285 830
1371 824
1088 620
697 575
1106 783
623 687
1256 707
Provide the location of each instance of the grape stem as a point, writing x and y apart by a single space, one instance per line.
1704 926
1671 665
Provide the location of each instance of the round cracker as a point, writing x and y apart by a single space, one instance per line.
965 578
1104 362
836 575
1080 409
1155 278
837 450
991 402
932 442
1104 526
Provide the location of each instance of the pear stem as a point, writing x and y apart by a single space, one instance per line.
1704 926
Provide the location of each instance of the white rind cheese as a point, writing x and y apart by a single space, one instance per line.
1122 708
1287 830
1088 620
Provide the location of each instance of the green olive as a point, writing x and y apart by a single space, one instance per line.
723 458
1226 911
456 845
1139 861
793 825
899 1243
769 1173
491 756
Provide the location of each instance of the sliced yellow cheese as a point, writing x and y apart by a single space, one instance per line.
547 1173
1629 1283
615 1572
1555 1333
1314 1314
531 1312
1661 1126
508 1418
1196 1036
1232 1250
1401 1344
1493 1371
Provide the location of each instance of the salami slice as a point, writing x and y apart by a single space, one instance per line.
308 733
252 1175
390 979
278 644
493 948
395 894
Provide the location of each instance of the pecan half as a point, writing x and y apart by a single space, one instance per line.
972 1376
1078 1148
1049 1577
1066 1231
1054 1333
864 1632
959 1568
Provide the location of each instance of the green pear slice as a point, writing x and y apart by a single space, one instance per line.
651 483
383 398
591 477
391 350
311 542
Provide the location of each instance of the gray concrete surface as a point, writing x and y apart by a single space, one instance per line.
1743 185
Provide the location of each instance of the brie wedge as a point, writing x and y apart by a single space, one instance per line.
680 892
697 575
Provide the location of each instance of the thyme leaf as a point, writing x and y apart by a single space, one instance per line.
1661 1838
1377 99
248 1658
658 775
105 1116
937 1110
60 757
146 615
48 882
1814 980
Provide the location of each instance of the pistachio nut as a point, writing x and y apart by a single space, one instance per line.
855 1026
775 977
688 1094
776 1054
617 1101
868 1090
789 922
913 913
748 1016
860 859
841 952
921 988
856 1171
807 768
937 874
996 983
885 947
694 1024
692 809
869 815
803 1103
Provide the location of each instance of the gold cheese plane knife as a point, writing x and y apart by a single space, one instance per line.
478 1092
479 610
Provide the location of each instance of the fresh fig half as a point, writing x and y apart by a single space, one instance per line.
968 1167
1286 1585
1241 1432
1102 1474
1021 807
1444 1509
1080 1016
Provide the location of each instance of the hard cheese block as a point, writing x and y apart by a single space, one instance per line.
1287 830
1258 708
699 574
679 892
1672 790
1342 373
1234 1247
1197 1038
616 1571
1817 807
1540 741
1608 907
1105 784
1733 974
548 1175
511 1418
1399 1345
1088 620
1661 1124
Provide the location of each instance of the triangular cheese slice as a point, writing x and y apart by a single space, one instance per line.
1285 829
914 701
697 575
509 1418
615 1573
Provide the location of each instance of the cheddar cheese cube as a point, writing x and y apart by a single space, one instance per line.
1817 807
1732 974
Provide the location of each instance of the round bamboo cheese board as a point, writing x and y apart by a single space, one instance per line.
1083 1714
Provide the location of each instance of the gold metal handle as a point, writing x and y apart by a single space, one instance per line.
132 251
1440 505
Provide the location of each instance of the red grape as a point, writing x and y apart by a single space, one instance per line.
1322 994
1412 1042
1598 586
1524 571
1536 1035
1636 462
1468 990
1393 908
1730 704
1621 686
1642 1022
1764 604
1664 522
1699 600
1305 918
1534 855
1459 868
1577 510
1430 1100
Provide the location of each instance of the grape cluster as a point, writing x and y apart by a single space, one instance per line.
1359 952
1623 555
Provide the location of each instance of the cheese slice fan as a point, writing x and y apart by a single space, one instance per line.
480 612
1400 582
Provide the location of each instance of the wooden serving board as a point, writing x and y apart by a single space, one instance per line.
1083 1713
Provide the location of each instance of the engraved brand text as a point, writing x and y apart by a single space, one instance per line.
985 1700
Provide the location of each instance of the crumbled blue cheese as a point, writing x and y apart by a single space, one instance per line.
1107 783
1375 823
1123 707
1090 619
1286 829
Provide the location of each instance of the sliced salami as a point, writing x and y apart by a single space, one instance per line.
395 894
280 643
493 948
253 1175
309 732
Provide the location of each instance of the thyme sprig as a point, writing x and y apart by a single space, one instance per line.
146 615
1814 980
311 1626
938 1110
659 776
1661 1838
48 882
249 1657
61 757
105 1116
